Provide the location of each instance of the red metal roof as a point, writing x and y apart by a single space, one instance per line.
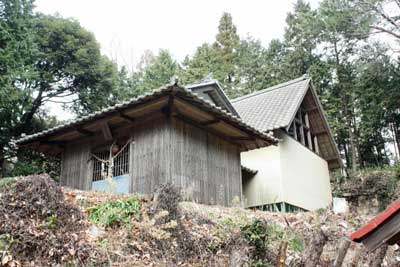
376 221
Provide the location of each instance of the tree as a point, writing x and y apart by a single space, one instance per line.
48 59
253 66
159 72
17 54
202 63
384 16
225 45
378 94
70 64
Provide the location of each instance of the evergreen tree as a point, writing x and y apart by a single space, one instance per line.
225 45
159 72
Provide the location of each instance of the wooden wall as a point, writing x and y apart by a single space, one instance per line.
76 169
206 167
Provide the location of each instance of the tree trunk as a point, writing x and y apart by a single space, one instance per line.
376 258
397 137
343 247
313 253
352 141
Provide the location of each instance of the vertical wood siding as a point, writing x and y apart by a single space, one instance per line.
205 166
76 167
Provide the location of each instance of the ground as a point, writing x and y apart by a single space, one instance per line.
47 225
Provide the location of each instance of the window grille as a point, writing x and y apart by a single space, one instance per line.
100 168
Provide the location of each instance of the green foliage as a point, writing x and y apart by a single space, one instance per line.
371 183
159 72
256 233
6 183
45 58
51 222
6 240
115 213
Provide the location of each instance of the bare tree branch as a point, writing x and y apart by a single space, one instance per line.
386 31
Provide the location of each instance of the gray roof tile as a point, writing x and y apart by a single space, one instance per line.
274 107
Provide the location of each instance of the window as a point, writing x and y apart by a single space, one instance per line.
101 163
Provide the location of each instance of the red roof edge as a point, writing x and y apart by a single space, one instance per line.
376 222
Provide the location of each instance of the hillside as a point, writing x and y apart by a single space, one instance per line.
46 225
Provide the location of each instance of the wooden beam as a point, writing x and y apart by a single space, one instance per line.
54 143
320 132
198 125
83 131
126 117
167 110
207 123
105 129
331 160
312 109
244 138
215 113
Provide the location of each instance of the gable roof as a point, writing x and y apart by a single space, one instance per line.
185 104
211 89
275 108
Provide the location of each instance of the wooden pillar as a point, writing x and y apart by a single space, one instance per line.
308 132
316 145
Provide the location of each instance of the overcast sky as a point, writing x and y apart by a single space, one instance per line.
125 28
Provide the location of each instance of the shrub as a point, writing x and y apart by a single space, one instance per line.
167 197
5 182
256 234
38 226
118 212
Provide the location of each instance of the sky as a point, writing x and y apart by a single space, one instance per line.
126 28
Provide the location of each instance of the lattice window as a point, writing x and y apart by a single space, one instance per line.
100 167
300 130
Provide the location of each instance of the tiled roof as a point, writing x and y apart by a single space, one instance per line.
274 107
141 99
209 81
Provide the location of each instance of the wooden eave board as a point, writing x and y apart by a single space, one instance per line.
112 119
190 110
201 116
228 129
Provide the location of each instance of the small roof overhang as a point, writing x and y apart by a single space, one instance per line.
384 228
172 100
214 89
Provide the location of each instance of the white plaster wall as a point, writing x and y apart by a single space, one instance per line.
288 173
266 186
305 176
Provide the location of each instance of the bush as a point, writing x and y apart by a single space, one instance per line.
167 197
39 226
256 234
115 213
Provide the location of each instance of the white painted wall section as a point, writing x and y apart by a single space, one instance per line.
305 176
289 173
266 186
